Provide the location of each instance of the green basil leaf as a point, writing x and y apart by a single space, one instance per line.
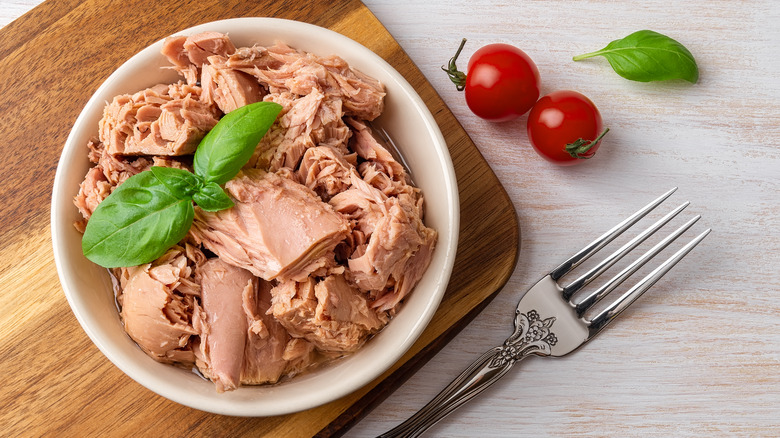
646 56
211 197
137 223
181 182
227 147
151 211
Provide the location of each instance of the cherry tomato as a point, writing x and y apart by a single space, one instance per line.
565 127
502 81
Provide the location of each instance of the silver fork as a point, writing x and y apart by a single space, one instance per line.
550 322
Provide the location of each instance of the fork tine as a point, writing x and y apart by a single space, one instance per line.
613 310
629 270
583 254
613 258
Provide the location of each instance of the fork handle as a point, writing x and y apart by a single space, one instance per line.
485 371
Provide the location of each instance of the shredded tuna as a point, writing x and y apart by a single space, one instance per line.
369 149
287 69
155 311
240 343
324 171
305 122
390 246
110 171
162 120
300 354
92 191
267 341
331 314
324 241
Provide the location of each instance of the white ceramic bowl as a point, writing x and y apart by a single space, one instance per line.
88 286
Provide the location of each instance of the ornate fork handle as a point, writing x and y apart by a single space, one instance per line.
531 336
475 379
556 302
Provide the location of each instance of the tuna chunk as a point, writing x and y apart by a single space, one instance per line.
381 170
173 49
390 247
331 314
410 274
117 168
393 241
277 228
282 68
361 203
265 354
157 306
329 128
367 147
300 354
107 174
297 123
227 88
189 54
241 343
162 120
305 122
325 171
200 46
223 288
92 191
363 96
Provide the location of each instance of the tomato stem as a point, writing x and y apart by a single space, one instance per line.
456 76
580 148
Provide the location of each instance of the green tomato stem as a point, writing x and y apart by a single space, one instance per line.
456 76
580 147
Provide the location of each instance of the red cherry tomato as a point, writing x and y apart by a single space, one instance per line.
565 127
502 81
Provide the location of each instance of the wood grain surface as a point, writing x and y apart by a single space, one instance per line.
56 382
699 354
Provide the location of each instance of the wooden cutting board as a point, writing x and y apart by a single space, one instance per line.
56 383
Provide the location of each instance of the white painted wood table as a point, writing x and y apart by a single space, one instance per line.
699 355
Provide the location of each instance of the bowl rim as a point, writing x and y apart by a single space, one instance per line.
60 193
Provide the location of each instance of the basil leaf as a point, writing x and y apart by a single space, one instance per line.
151 211
137 223
180 182
227 147
211 197
646 56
